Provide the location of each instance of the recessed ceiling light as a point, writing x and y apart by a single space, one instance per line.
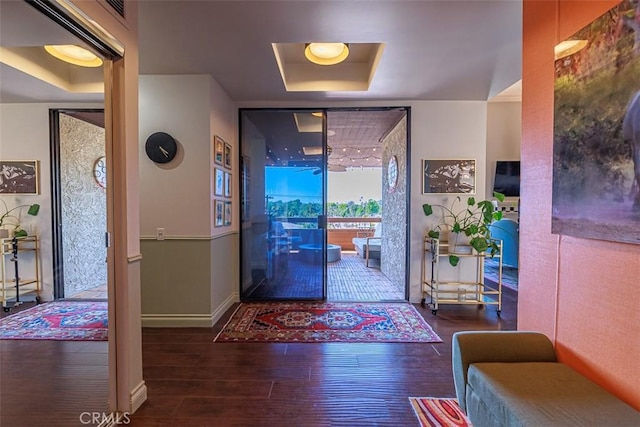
326 53
73 54
569 47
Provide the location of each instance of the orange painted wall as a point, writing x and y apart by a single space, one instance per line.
584 294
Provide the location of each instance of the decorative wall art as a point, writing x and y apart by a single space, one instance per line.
219 213
219 182
449 176
227 155
227 184
19 177
227 213
596 183
218 150
100 171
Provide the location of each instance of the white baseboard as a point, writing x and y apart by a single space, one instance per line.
138 396
189 320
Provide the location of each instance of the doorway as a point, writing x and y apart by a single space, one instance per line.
313 185
80 207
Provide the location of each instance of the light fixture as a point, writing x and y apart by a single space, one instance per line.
73 54
326 53
317 114
568 47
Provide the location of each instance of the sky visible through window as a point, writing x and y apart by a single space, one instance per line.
287 183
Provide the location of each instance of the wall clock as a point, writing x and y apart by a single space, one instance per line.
100 171
161 147
392 173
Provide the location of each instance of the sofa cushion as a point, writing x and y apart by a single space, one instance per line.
542 394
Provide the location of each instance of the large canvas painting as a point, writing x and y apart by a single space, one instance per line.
596 147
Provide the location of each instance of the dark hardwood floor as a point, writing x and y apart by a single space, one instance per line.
194 382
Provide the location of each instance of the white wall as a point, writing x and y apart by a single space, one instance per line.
24 135
504 133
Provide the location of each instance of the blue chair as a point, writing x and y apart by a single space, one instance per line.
507 231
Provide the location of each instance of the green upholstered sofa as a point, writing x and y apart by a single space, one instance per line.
512 378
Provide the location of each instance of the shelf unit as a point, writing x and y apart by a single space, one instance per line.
30 283
436 291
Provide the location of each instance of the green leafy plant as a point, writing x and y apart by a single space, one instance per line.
11 217
473 221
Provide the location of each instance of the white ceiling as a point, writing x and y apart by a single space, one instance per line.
456 50
434 50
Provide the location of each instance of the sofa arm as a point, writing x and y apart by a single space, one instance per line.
495 346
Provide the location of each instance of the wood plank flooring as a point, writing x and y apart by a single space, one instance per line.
194 382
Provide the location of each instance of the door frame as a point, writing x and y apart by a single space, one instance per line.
56 194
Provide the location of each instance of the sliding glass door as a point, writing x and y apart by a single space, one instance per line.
283 236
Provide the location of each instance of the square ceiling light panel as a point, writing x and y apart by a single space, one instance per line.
353 74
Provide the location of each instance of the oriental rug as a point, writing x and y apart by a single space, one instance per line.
326 322
58 320
435 412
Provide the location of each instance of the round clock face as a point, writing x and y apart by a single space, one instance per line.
100 171
161 147
392 173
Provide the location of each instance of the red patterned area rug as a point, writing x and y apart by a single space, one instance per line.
327 322
58 320
435 412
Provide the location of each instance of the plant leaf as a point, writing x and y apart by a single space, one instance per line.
34 209
434 234
479 244
453 260
428 209
471 201
498 196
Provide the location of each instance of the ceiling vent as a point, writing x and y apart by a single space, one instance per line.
117 5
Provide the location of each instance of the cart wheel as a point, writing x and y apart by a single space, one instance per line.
38 300
498 312
423 302
6 309
434 312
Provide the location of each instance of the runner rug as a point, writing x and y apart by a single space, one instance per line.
509 274
58 320
435 412
327 322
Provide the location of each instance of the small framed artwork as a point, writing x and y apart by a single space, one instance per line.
449 176
100 171
227 184
219 182
218 150
219 213
227 213
19 177
227 155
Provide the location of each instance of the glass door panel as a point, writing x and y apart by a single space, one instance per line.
283 237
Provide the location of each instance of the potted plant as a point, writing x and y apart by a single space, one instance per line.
472 222
11 217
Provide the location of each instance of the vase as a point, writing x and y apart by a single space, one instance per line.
459 243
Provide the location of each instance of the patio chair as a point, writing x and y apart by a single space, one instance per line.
369 247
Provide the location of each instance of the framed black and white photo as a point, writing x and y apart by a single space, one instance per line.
448 176
227 213
19 177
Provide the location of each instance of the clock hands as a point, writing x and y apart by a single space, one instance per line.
165 152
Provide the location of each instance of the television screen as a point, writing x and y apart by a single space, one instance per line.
507 179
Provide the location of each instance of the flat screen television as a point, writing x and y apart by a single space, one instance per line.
507 178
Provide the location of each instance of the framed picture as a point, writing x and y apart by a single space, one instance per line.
227 184
227 155
19 177
596 176
449 176
227 213
219 182
219 213
218 150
